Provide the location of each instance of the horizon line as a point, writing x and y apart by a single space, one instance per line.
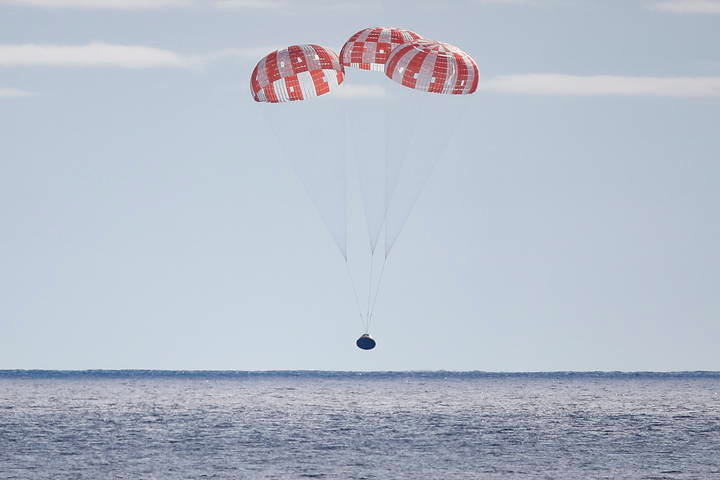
189 372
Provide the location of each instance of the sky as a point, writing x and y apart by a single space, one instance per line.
573 222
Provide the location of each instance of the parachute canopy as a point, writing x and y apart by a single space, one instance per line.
297 72
369 48
433 67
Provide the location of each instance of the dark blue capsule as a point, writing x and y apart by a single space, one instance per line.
365 342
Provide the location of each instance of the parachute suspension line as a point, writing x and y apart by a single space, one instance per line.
344 182
357 298
377 291
441 149
369 295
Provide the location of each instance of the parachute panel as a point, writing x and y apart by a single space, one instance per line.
370 48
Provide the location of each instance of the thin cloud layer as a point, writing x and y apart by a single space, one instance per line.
249 53
534 3
99 55
256 4
289 6
105 55
147 4
349 91
13 93
689 6
102 4
558 84
284 5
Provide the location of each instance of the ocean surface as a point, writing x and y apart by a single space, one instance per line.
341 425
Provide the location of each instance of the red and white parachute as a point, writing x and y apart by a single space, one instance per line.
370 48
297 72
433 67
379 126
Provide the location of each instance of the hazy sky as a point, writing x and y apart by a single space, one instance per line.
574 223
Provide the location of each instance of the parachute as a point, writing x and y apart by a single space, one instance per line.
433 67
297 72
370 48
291 77
377 143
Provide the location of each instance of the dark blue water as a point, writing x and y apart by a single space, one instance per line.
421 425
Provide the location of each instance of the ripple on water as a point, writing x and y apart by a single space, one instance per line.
330 425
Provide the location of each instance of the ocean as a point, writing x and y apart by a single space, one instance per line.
349 425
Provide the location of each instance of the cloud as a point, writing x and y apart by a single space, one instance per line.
102 4
249 53
689 6
283 5
509 2
349 91
269 4
105 55
290 6
147 4
433 4
13 93
558 84
96 54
